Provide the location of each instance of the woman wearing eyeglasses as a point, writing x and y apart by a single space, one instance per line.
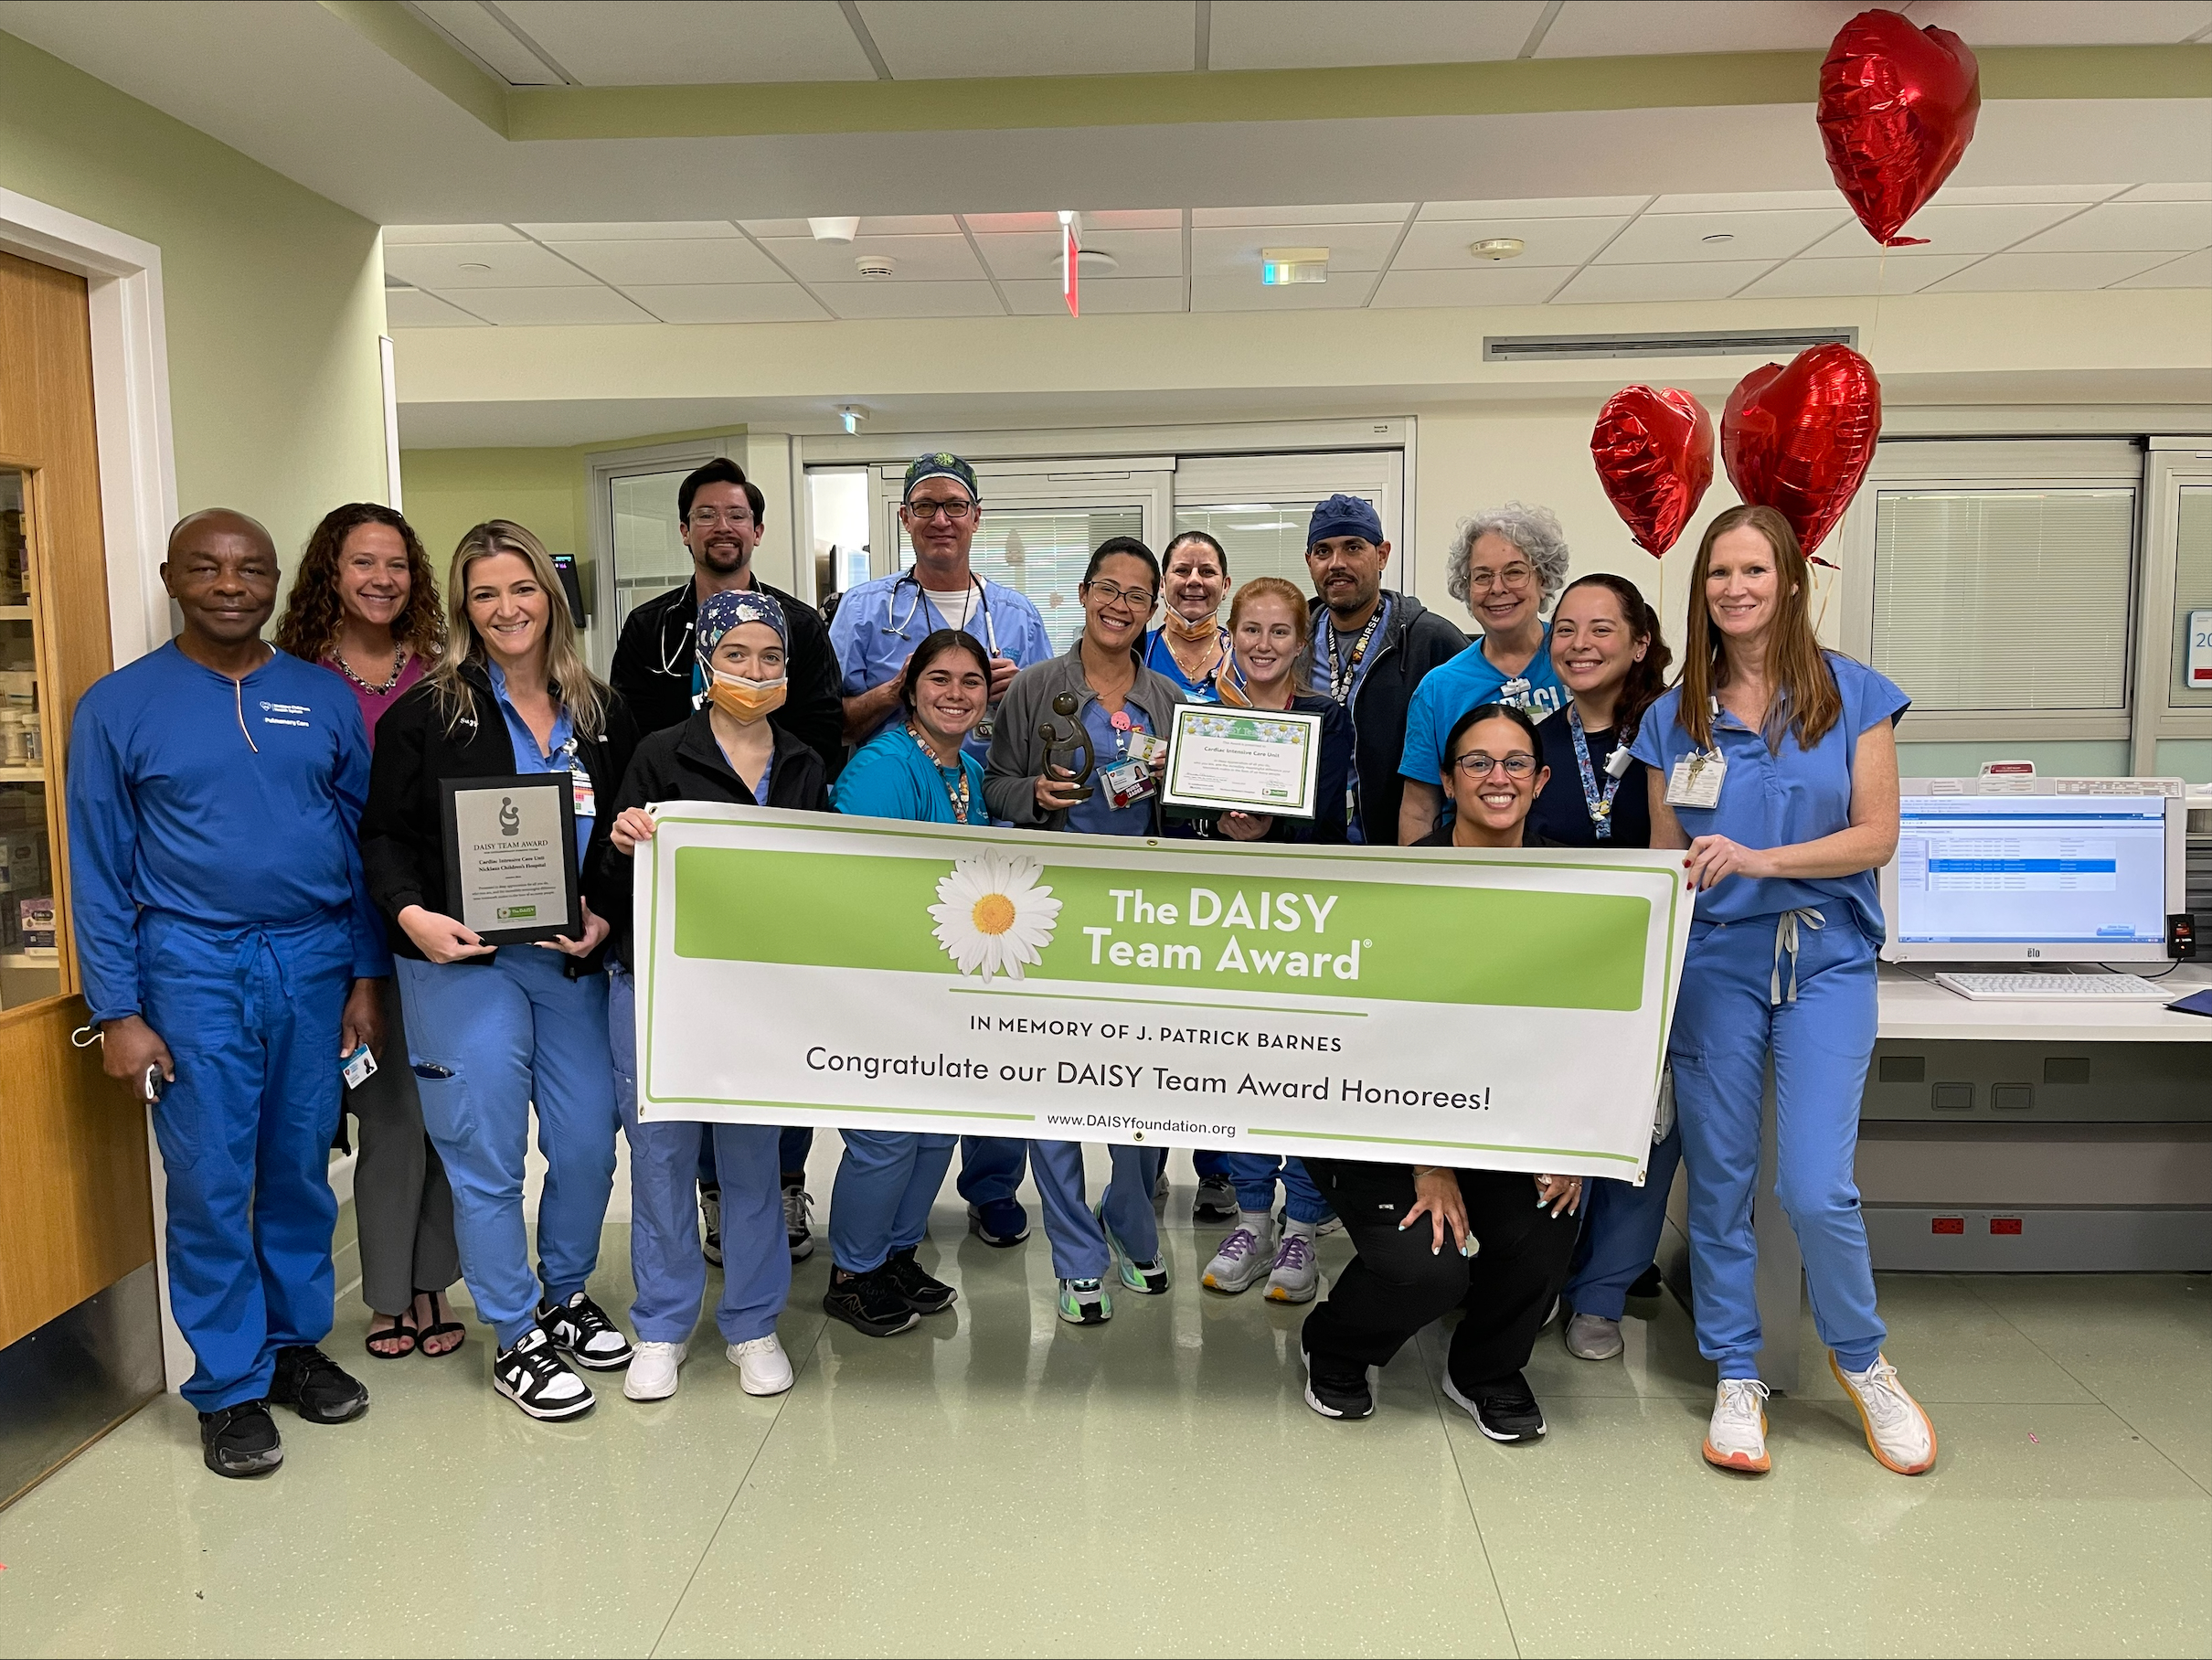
1100 701
1413 1225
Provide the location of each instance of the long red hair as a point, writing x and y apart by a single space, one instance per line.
1806 700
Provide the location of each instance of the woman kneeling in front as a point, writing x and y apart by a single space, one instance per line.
1772 763
1430 1239
728 752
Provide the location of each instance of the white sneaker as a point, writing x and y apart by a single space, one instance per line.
1897 1431
1593 1337
653 1370
1245 1257
1737 1438
1295 1275
763 1369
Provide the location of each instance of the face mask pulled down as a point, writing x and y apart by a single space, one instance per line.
746 700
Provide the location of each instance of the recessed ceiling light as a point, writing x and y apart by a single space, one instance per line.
1719 236
1096 262
1280 266
1497 248
473 266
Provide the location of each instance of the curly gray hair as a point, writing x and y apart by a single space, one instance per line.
1534 530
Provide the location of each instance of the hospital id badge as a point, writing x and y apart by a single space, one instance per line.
359 1068
1127 782
587 793
1696 781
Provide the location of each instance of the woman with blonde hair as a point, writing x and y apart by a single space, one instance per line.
1771 761
364 605
493 1031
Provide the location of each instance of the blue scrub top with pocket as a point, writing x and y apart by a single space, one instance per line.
1779 798
558 756
881 621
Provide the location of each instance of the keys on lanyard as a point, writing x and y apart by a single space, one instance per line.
1599 802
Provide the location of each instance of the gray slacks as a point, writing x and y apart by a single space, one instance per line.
401 1203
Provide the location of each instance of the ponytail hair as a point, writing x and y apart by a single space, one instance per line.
1646 677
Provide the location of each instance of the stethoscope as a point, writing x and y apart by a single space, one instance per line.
899 627
669 658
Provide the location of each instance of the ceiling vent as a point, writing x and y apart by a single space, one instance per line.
1709 343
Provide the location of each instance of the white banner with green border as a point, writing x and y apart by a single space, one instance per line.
1505 1010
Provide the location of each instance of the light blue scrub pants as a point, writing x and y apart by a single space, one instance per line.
1080 1251
1621 1228
1254 1174
990 1167
886 1181
1726 1024
793 1143
664 1257
250 1016
487 1040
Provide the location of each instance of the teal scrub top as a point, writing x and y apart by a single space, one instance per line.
1467 682
892 777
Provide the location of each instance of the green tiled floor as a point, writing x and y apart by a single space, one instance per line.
997 1483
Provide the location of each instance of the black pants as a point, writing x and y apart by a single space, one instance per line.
1396 1285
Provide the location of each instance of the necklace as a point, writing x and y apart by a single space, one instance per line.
346 669
945 776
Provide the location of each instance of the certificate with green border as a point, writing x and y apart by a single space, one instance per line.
1245 760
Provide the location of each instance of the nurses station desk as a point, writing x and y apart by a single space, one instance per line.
2044 1137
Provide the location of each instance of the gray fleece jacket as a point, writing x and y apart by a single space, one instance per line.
1017 752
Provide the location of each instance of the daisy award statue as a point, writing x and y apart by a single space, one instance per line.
1069 750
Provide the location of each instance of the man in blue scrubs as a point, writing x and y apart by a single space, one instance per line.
229 955
877 626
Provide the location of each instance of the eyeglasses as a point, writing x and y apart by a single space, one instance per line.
736 518
953 511
1513 576
1136 598
1476 765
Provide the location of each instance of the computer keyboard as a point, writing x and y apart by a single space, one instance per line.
2046 988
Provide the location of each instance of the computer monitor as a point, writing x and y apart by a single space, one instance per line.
2036 869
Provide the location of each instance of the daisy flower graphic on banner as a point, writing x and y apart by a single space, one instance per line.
992 916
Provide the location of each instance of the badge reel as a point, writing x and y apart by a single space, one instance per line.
1616 764
1129 781
1696 781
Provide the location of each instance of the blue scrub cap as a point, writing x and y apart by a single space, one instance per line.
1344 515
723 612
940 464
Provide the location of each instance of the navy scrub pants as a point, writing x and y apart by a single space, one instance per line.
251 1019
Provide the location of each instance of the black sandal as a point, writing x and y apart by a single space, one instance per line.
442 1328
402 1325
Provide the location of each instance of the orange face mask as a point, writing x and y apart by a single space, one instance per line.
746 700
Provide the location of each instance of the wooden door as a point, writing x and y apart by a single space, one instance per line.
76 1211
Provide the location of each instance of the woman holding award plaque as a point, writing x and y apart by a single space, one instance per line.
495 1028
1077 745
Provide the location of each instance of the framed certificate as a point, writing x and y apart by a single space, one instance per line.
510 860
1248 760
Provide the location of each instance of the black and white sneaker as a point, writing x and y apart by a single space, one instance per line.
710 1223
581 1327
534 1378
316 1387
924 1293
797 1202
1216 1201
241 1440
1337 1388
869 1303
1505 1409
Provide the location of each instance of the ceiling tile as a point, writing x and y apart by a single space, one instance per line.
495 47
1249 293
2040 23
1236 252
949 40
2131 227
920 259
1139 253
2004 272
1106 296
912 300
1324 34
1658 238
1619 28
1364 213
1619 285
2191 271
1747 201
728 303
483 265
2170 193
411 308
1813 279
1513 285
1443 246
1983 228
701 42
550 307
1558 207
625 264
647 231
1139 219
911 225
400 236
1969 195
778 228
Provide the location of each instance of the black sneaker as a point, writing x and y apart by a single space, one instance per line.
869 1303
241 1440
1648 1284
316 1387
710 1218
581 1327
1505 1409
1216 1201
924 1291
534 1378
1337 1388
797 1202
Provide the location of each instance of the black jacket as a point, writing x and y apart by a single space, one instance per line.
660 633
1416 641
1330 775
403 825
684 763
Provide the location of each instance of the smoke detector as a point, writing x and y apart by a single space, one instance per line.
1497 248
833 230
1093 262
875 265
1279 266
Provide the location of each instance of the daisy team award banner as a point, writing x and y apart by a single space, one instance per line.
1503 1010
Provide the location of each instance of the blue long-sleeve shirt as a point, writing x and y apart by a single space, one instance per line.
229 804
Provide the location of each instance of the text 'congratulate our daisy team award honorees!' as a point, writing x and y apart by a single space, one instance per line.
1500 1009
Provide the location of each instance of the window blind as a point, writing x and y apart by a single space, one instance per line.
2192 589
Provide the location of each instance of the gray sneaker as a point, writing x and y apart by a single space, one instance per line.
1244 1258
1593 1337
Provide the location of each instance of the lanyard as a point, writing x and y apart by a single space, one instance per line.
1344 676
958 798
1601 804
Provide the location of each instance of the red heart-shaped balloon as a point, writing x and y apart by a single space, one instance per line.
1654 447
1800 439
1896 111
